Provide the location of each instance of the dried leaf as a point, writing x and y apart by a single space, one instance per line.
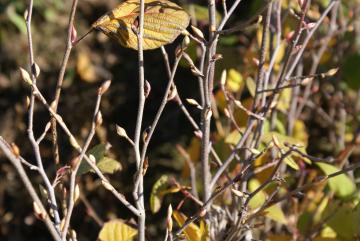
163 22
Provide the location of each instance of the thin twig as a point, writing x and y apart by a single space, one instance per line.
75 169
30 131
139 189
16 161
60 79
105 181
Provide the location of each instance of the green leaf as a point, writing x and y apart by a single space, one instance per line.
304 223
201 13
108 165
356 219
341 185
160 188
341 220
351 71
104 163
117 230
251 85
98 152
16 19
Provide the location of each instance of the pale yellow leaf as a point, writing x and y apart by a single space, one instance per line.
116 230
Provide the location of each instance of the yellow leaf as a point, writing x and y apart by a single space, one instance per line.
234 80
163 22
233 138
299 131
328 232
85 68
192 232
284 100
259 198
275 213
116 230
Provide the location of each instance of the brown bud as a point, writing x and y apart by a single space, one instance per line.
178 51
145 165
223 77
99 119
197 32
27 102
64 193
331 72
196 72
202 213
169 221
25 76
73 142
256 61
26 14
104 87
208 114
310 25
76 193
185 42
147 88
289 36
145 134
73 34
36 70
198 134
15 149
227 113
217 57
121 131
173 93
39 213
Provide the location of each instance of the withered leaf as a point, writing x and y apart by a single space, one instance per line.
163 22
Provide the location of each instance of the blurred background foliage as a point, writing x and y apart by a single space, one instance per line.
98 58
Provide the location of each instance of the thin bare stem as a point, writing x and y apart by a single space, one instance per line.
75 169
16 162
30 131
60 79
76 145
139 192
